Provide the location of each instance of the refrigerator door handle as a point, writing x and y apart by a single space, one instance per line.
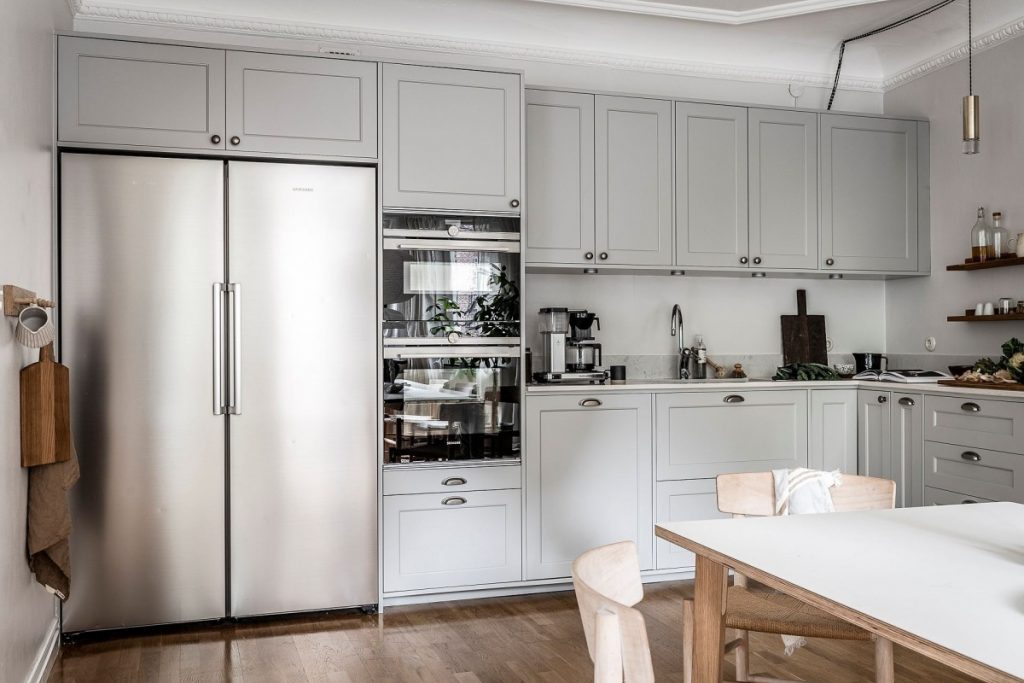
218 348
235 391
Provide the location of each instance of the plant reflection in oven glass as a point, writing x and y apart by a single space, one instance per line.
493 315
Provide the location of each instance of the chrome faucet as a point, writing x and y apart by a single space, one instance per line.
683 366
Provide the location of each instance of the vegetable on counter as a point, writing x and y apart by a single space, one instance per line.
805 372
1008 369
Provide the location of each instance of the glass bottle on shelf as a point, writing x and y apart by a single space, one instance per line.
1000 236
981 239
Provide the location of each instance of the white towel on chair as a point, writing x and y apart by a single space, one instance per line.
799 492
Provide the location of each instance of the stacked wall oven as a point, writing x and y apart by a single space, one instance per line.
221 324
451 325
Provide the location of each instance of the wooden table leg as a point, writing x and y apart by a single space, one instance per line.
709 624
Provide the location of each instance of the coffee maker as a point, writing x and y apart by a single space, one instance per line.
569 357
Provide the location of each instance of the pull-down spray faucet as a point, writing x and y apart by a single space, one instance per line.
683 365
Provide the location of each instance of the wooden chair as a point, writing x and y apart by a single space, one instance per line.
766 611
607 583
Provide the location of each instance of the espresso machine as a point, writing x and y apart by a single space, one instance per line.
571 356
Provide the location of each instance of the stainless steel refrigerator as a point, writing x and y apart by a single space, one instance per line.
219 319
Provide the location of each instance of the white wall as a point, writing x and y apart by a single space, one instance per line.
917 308
737 316
26 77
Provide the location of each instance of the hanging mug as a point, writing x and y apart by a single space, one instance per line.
35 327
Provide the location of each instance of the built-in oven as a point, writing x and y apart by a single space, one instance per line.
450 291
443 404
433 226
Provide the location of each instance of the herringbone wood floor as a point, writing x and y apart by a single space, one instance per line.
532 638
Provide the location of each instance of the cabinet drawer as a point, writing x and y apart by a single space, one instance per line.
996 425
458 539
974 471
683 501
446 479
940 497
125 93
707 434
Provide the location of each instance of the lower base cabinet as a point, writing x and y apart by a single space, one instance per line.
588 478
459 538
891 441
832 442
934 496
683 501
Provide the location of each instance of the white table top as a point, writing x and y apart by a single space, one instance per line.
952 576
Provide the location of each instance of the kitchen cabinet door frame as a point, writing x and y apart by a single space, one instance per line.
571 455
700 501
874 434
554 237
710 185
783 188
833 430
438 177
135 94
632 159
330 111
841 188
906 420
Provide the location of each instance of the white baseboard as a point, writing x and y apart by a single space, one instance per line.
46 657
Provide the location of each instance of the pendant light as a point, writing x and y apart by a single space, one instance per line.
972 103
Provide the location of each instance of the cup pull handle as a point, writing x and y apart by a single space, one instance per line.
733 398
971 455
454 481
454 500
908 402
590 403
970 407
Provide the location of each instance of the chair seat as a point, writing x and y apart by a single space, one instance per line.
767 611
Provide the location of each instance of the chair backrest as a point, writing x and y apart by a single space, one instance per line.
607 583
753 494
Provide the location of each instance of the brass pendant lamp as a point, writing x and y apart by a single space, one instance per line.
972 103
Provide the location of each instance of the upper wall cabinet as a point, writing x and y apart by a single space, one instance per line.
634 181
783 189
711 185
125 93
560 177
451 139
301 105
869 194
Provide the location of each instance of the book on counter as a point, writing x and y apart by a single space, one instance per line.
904 376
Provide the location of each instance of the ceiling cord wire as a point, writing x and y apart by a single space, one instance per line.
881 29
970 50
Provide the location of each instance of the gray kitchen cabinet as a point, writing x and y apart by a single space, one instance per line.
934 496
451 139
313 106
832 443
869 194
683 501
891 441
980 423
455 538
136 94
783 189
634 181
588 478
560 177
711 185
702 435
975 471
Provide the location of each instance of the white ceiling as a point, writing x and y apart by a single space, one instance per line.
799 45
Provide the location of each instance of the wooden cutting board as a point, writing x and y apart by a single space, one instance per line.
803 336
45 411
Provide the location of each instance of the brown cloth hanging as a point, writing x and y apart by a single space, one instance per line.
49 524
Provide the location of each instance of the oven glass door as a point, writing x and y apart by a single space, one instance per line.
451 227
451 405
447 292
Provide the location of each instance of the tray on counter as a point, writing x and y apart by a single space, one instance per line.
981 385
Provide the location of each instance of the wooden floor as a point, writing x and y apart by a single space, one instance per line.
532 638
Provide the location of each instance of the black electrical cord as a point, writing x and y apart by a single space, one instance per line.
842 47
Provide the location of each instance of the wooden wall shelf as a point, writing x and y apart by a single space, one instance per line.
985 265
970 317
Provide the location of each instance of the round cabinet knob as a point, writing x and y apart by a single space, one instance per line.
830 262
215 139
883 399
514 203
235 140
454 337
743 260
604 255
454 230
589 256
757 260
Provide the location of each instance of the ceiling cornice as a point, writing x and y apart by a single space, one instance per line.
718 16
120 13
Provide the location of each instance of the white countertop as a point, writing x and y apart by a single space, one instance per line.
670 385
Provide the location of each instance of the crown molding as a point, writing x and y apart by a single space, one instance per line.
126 14
955 54
718 16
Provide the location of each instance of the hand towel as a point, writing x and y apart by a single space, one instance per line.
49 524
802 491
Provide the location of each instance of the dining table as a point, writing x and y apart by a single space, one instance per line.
944 581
